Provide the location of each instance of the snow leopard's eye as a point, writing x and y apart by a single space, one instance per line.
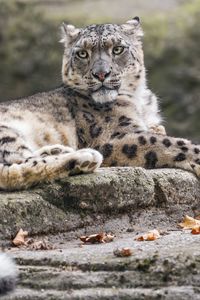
118 50
82 54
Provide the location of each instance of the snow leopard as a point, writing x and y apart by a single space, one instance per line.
104 114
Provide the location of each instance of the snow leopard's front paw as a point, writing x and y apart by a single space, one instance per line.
53 150
86 161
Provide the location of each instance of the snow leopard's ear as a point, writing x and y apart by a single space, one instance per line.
133 27
68 33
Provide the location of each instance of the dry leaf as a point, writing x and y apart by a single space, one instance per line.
92 239
32 244
19 240
40 245
123 252
196 229
97 238
108 238
152 235
189 223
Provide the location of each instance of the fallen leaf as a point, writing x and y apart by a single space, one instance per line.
108 238
97 238
152 235
19 240
189 223
196 229
40 245
123 252
92 239
31 244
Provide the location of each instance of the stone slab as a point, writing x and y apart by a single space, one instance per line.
125 201
168 268
112 199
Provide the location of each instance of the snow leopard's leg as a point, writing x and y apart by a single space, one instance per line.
152 151
13 148
38 169
8 274
21 168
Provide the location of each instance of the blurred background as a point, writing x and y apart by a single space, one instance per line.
30 55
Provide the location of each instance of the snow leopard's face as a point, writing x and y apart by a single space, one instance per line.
100 60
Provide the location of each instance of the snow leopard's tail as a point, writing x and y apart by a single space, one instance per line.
8 274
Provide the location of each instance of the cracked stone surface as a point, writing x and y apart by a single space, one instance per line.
125 201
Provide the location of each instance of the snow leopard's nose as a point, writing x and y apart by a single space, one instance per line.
101 75
101 70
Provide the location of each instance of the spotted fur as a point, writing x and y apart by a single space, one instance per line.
104 104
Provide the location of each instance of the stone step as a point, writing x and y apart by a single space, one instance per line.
169 293
168 268
156 277
111 199
125 201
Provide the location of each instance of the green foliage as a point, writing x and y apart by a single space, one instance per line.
30 59
174 69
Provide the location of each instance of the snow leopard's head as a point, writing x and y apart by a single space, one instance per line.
101 61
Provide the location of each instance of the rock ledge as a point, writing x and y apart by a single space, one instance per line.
110 199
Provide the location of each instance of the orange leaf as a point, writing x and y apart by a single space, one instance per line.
19 240
123 252
189 223
40 245
108 238
93 238
196 229
152 235
97 238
